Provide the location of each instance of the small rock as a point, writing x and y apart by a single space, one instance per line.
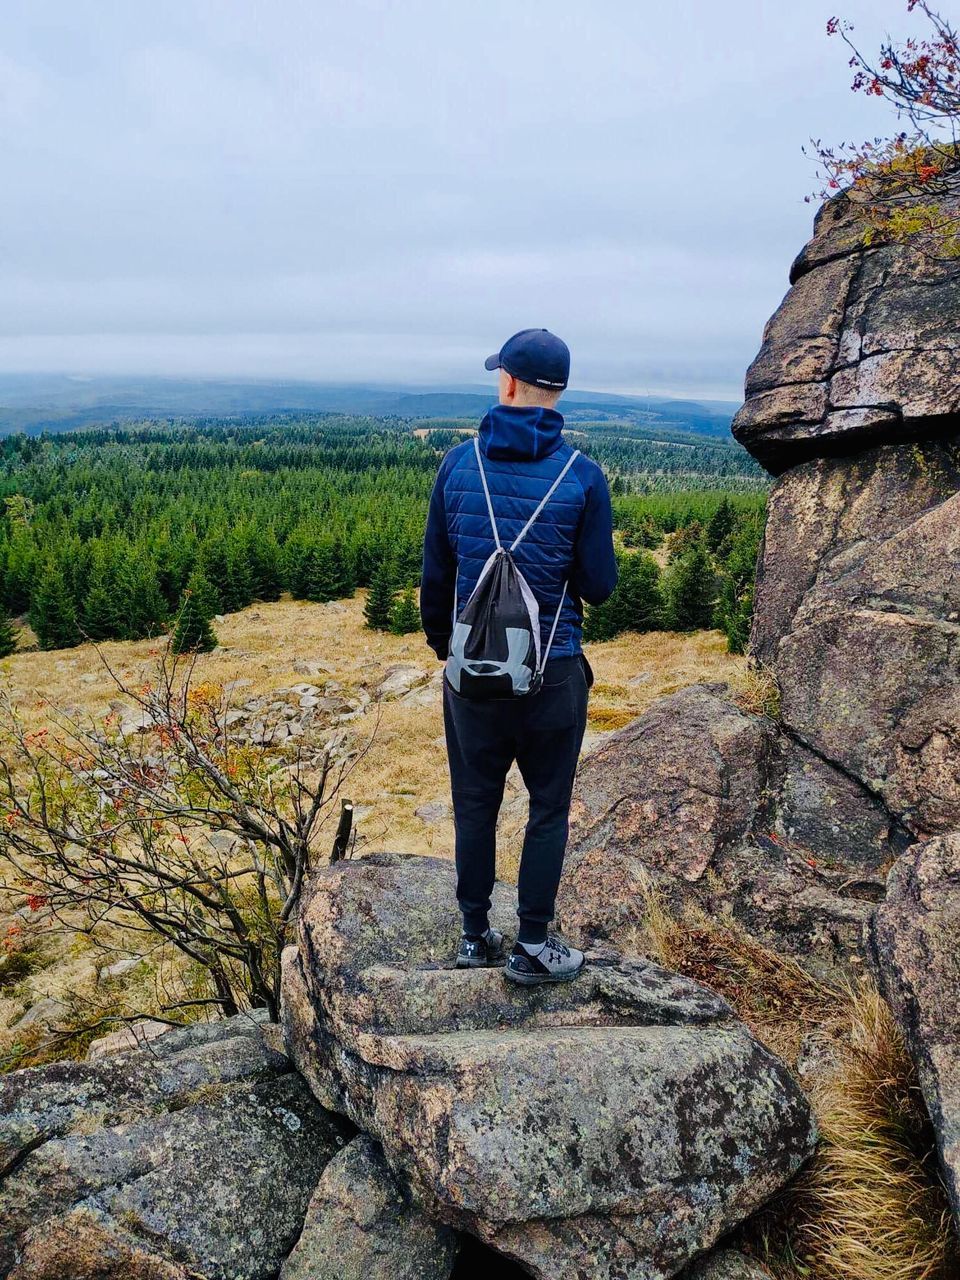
136 1036
138 722
726 1264
223 841
312 667
120 967
434 811
400 679
46 1013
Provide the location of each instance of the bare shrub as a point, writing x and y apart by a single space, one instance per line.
169 825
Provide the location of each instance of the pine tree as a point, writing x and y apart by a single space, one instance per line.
193 632
8 636
53 614
405 614
691 590
264 558
236 586
599 623
721 524
381 596
320 569
636 603
685 539
734 611
104 611
637 600
146 609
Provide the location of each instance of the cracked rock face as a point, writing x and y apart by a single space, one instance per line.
864 349
858 614
915 949
722 811
195 1157
564 1125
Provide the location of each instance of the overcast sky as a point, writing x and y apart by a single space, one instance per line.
378 191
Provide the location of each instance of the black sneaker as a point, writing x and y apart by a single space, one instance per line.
553 962
478 953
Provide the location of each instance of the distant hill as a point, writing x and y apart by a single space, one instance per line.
57 402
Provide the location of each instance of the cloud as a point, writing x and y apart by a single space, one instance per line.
287 188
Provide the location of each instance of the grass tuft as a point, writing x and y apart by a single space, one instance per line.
875 1207
778 999
757 692
870 1204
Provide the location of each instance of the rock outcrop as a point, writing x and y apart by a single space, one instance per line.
792 826
858 615
720 810
563 1126
194 1157
864 349
917 953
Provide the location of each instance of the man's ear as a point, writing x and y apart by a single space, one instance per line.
508 387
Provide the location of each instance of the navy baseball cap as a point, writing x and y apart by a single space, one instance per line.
536 356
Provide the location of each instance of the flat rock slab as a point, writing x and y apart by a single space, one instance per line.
564 1125
915 937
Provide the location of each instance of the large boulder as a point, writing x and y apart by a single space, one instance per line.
719 810
915 938
864 349
360 1226
562 1125
201 1155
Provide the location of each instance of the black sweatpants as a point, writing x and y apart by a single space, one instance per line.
543 733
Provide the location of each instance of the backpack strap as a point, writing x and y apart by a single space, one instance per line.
553 629
546 498
486 493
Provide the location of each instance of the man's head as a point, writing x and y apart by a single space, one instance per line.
534 368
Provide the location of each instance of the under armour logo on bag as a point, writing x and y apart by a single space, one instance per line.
515 666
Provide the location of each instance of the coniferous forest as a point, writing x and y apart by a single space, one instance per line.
121 532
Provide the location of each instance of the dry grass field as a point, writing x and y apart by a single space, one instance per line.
402 769
405 767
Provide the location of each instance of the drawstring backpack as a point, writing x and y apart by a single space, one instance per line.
495 645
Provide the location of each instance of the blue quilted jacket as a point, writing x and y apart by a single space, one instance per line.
523 453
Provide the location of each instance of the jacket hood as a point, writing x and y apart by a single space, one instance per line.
514 433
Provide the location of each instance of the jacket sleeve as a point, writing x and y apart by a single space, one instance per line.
594 573
438 581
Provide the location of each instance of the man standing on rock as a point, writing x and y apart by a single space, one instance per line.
519 528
